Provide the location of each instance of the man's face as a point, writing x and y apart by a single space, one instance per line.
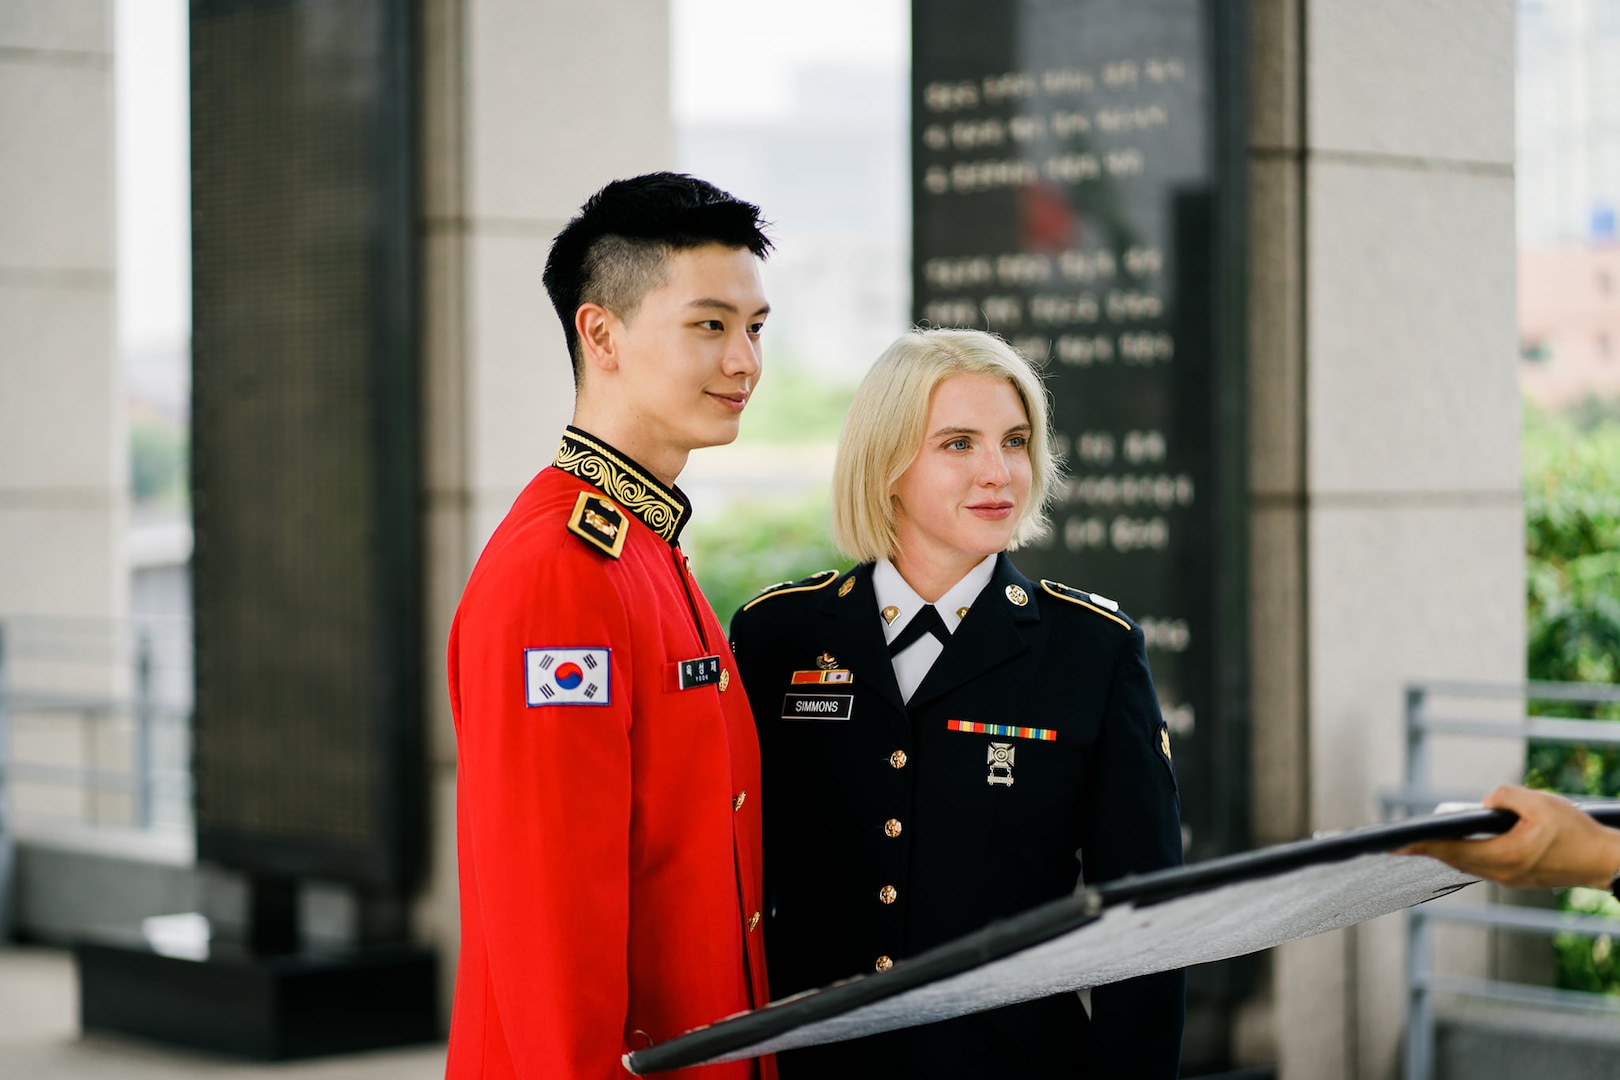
689 357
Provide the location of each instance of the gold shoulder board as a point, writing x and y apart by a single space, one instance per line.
599 522
809 584
1090 601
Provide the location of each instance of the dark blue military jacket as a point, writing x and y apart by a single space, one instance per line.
1035 741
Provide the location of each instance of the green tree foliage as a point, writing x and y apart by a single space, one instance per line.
759 542
795 406
1572 572
1584 962
737 553
1572 540
158 455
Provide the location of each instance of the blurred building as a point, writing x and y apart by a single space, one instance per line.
832 175
1568 122
1568 172
1569 324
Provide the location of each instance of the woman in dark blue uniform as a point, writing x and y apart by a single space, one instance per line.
945 742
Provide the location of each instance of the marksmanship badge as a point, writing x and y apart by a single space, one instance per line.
1001 763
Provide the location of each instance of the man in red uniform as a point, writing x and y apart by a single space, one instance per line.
608 775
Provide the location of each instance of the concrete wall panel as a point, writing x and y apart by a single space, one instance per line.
1429 79
1403 591
57 397
561 98
520 390
56 189
80 26
1413 356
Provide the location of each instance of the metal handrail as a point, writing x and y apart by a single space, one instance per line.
1521 993
1517 918
114 643
1532 690
1548 728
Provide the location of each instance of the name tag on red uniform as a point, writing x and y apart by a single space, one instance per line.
698 671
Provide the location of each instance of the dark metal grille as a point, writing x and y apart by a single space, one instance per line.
303 440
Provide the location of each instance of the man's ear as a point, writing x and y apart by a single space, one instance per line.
597 328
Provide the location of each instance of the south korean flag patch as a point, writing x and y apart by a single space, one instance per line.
566 676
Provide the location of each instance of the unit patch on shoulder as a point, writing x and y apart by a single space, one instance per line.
809 584
566 677
599 522
1088 600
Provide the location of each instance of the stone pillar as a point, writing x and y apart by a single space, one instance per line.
63 459
1385 509
528 106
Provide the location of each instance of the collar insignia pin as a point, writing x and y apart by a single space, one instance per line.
890 613
961 612
843 590
1018 596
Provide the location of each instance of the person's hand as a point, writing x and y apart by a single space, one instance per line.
1553 844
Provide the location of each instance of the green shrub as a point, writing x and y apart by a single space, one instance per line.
1572 547
795 406
757 543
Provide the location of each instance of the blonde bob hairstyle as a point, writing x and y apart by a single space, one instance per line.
883 433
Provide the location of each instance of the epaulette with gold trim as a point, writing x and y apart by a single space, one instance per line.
599 522
782 588
1089 600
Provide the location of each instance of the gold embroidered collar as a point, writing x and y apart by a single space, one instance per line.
662 509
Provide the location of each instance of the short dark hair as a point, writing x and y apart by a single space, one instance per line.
612 253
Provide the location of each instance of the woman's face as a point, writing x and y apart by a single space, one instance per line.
964 493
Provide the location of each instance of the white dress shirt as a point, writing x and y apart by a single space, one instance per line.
892 591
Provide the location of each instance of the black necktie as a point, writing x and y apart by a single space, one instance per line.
926 621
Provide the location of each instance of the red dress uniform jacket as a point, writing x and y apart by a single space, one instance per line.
608 821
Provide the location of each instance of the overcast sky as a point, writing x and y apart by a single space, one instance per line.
153 189
736 58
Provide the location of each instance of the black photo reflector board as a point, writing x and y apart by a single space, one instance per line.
1170 919
304 439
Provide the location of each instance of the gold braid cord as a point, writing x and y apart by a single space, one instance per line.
621 481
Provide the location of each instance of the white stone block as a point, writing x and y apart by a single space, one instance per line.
63 558
1402 591
562 98
1429 79
1312 1008
56 187
61 416
520 388
1411 337
82 26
